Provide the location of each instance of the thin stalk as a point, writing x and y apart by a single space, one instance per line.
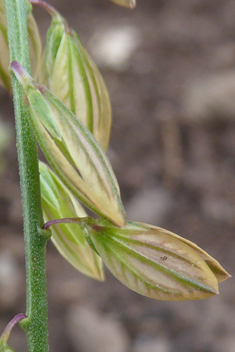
35 324
6 333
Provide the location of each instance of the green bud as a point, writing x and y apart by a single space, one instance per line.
34 43
126 3
72 151
155 262
58 202
75 80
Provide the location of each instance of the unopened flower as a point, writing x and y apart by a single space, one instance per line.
154 262
58 202
74 79
71 150
34 43
126 3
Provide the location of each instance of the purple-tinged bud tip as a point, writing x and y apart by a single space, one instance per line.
17 68
20 73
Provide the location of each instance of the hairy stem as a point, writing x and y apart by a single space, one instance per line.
35 240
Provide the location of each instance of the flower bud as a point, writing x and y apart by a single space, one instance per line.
34 43
58 202
126 3
155 262
72 151
74 78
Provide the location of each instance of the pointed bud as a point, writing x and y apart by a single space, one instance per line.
74 79
155 262
214 265
58 202
72 151
34 43
127 3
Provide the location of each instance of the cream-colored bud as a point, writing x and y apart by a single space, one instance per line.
74 79
155 262
58 202
72 151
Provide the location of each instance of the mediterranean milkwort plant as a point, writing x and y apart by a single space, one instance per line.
62 104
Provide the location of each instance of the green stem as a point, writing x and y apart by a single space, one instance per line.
35 239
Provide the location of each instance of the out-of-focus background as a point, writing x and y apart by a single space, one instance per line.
170 69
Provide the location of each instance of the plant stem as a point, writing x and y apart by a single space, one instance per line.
35 239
